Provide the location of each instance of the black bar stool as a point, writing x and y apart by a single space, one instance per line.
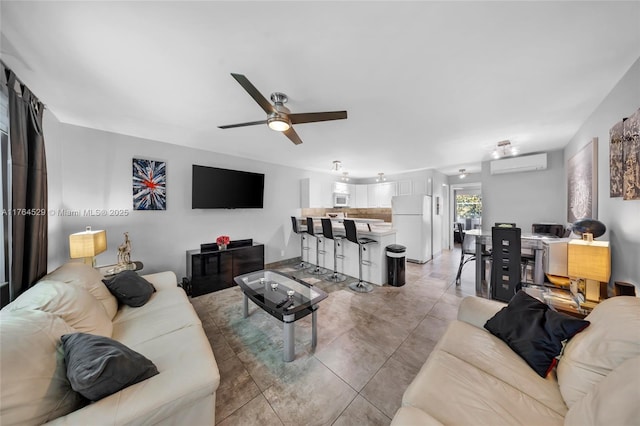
352 235
327 231
317 270
300 230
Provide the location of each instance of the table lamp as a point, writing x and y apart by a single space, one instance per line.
87 245
589 266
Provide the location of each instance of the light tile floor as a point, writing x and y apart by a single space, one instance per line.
370 347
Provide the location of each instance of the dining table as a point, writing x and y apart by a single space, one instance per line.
529 241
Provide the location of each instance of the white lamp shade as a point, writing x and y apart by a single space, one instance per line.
589 259
87 244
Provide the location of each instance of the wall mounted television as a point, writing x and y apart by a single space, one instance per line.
215 188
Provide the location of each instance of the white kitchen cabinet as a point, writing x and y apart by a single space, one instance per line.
385 191
404 187
380 194
372 195
361 199
422 187
315 193
340 188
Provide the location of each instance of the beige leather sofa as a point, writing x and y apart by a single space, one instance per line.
166 330
473 378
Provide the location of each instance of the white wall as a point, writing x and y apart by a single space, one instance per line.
622 218
470 178
525 198
91 169
53 138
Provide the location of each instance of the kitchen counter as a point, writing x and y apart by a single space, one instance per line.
351 213
340 219
379 228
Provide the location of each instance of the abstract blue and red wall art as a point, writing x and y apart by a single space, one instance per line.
149 185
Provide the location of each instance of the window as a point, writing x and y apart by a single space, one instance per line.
468 207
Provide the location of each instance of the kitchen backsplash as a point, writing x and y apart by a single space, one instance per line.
369 213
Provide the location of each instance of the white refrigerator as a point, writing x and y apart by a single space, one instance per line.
411 217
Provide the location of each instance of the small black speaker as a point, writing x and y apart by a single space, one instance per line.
624 289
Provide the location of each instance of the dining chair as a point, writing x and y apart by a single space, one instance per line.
467 251
506 262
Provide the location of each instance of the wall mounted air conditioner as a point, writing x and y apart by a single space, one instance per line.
526 163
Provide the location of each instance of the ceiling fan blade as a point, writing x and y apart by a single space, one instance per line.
250 123
311 117
255 94
291 134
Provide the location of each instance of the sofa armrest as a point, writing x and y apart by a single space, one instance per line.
188 374
477 311
162 280
412 416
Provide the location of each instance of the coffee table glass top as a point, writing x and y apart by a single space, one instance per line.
279 294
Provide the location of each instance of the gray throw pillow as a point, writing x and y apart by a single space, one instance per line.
130 288
98 366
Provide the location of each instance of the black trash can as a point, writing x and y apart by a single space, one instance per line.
395 264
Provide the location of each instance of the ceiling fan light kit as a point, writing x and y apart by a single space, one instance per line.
463 173
278 123
381 177
279 117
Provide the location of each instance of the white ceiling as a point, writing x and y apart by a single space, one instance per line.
425 84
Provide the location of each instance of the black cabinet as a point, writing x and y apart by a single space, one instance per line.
214 270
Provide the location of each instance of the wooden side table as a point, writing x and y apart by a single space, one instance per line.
110 270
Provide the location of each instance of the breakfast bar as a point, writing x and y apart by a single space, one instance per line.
375 272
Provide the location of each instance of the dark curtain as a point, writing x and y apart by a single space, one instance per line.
29 188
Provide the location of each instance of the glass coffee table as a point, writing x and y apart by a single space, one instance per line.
285 298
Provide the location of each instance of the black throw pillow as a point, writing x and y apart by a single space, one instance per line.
534 331
130 288
98 366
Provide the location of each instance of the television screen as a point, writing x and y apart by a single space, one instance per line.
214 188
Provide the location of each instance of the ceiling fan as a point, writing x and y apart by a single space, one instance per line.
279 117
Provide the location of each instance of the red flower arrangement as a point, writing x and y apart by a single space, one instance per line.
222 240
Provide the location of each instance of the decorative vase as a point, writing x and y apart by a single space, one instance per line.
222 246
589 225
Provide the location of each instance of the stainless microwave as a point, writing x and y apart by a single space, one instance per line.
340 200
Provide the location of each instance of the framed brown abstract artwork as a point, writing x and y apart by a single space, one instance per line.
616 166
631 157
582 183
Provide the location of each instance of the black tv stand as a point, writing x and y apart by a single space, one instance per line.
210 269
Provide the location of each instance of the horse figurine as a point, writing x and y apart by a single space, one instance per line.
124 251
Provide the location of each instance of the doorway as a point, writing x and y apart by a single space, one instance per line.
467 206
